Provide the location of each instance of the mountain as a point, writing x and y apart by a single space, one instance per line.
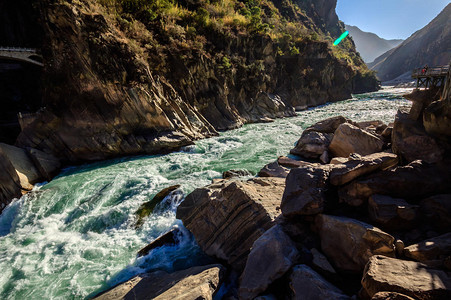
369 44
430 46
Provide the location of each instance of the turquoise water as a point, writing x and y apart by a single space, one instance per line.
75 236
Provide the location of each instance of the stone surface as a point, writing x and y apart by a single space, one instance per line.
9 182
226 218
411 142
351 139
306 284
321 262
312 144
338 160
390 296
328 125
292 163
437 248
353 168
305 191
437 209
349 243
169 238
47 164
407 277
274 169
194 283
325 158
392 213
272 255
414 181
235 173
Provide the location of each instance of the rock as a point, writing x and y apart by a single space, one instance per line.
274 170
27 172
353 168
324 158
338 160
390 296
228 217
306 284
235 173
415 181
169 238
349 243
9 182
194 283
437 248
399 245
47 164
386 134
411 142
305 191
291 163
437 118
329 125
312 144
321 262
407 277
375 124
437 209
147 208
272 255
392 213
351 139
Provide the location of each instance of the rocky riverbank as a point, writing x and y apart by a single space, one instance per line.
362 211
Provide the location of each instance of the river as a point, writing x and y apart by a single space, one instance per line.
75 236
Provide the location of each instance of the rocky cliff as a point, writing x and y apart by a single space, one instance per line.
430 46
124 77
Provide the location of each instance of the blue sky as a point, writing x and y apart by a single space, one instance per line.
390 19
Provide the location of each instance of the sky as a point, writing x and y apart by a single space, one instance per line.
389 19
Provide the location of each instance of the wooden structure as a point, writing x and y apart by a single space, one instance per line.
430 77
21 54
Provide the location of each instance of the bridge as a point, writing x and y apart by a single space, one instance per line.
27 55
431 77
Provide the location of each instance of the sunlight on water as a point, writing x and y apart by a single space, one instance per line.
75 236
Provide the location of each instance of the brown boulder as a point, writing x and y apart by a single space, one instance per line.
390 296
392 213
437 209
9 182
291 163
305 191
407 277
272 255
274 169
228 217
329 125
194 283
306 284
351 139
47 165
437 248
353 168
312 144
349 243
235 173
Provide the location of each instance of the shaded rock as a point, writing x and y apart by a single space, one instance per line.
437 118
351 139
309 285
235 173
321 262
338 160
194 283
291 163
147 208
411 142
437 210
390 296
407 277
353 168
9 182
47 164
305 191
387 133
272 255
415 181
226 218
324 158
329 125
392 213
169 238
437 248
312 144
274 170
399 245
349 243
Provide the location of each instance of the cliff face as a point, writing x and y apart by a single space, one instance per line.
430 46
124 77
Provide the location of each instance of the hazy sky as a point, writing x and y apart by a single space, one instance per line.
390 19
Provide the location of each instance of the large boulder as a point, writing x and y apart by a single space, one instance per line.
274 169
272 255
390 296
329 125
9 182
392 213
349 243
228 217
437 210
411 142
194 283
351 139
406 277
305 191
355 167
414 181
292 163
47 164
306 284
437 248
312 144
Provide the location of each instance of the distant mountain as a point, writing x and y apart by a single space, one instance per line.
369 44
430 45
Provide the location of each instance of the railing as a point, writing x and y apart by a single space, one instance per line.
18 49
430 72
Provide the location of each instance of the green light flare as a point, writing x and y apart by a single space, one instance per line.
338 41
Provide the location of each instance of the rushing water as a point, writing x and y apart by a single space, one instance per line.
75 236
